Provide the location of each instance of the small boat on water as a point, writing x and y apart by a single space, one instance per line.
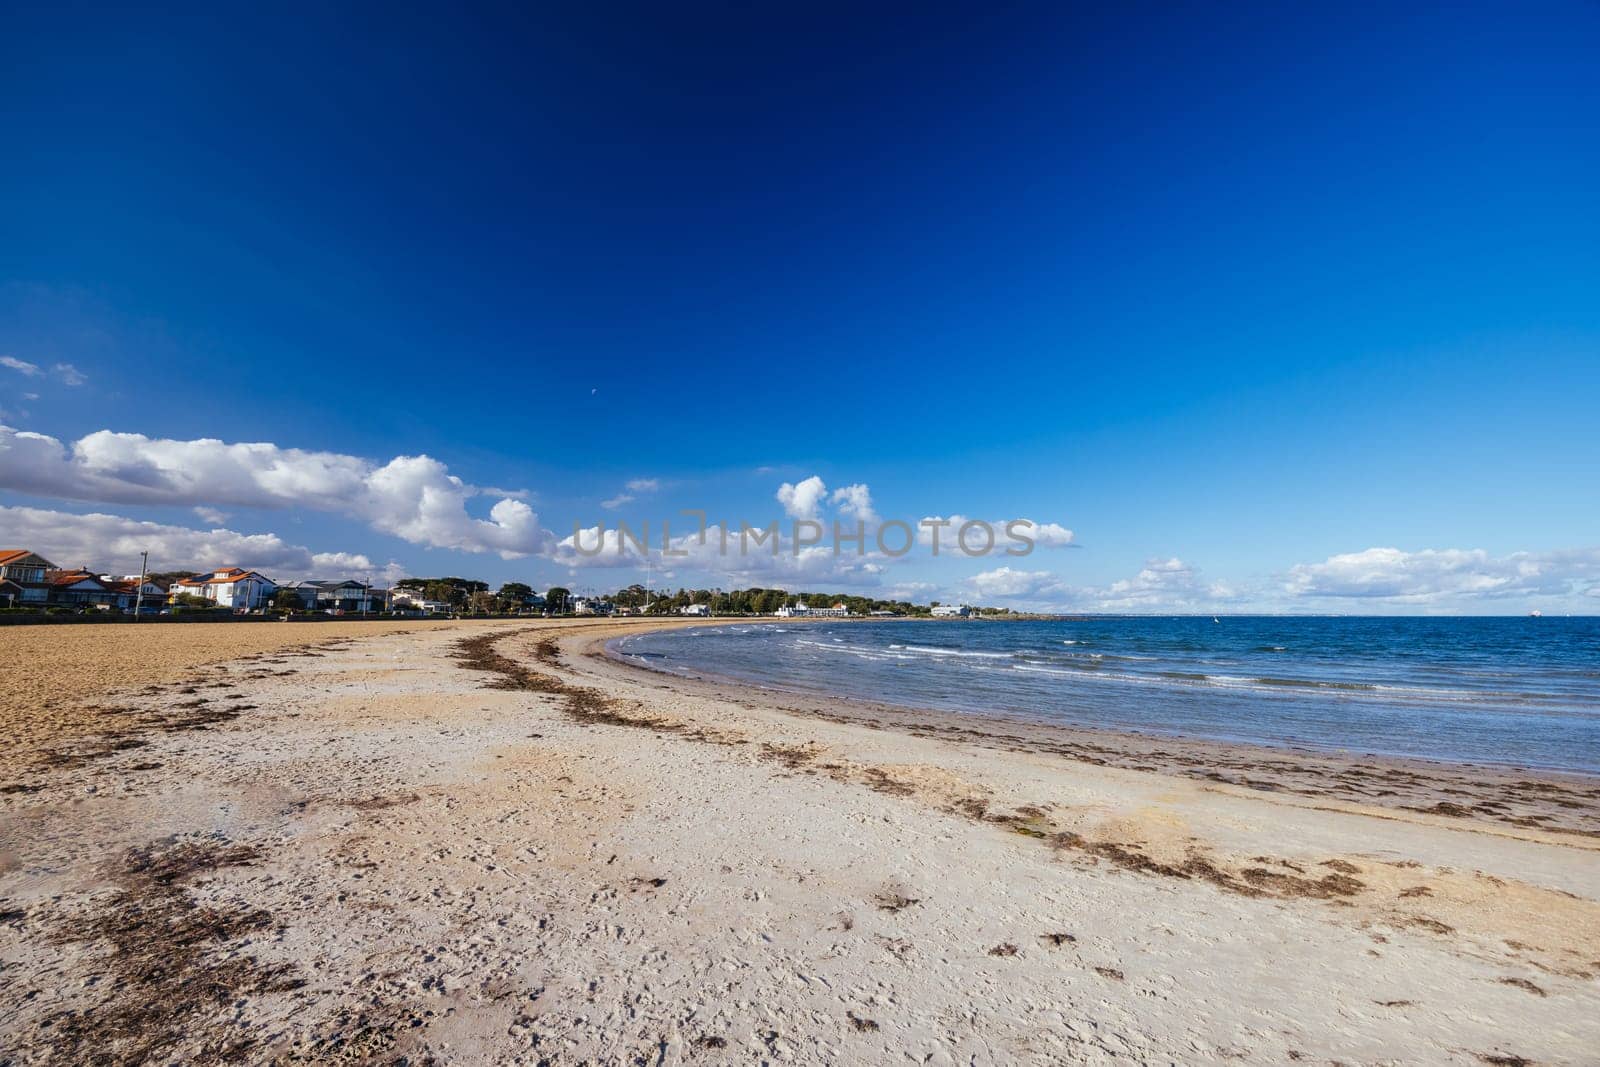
1535 614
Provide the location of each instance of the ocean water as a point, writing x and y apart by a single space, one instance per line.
1518 691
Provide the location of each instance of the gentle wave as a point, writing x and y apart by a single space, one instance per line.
929 650
1478 690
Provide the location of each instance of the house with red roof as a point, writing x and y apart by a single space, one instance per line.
80 589
22 581
229 587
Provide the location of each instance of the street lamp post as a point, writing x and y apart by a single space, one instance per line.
138 596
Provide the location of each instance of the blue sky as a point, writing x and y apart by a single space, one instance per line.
1274 309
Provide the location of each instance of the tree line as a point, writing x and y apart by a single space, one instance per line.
463 594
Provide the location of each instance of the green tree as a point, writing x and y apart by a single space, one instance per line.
514 596
556 599
287 600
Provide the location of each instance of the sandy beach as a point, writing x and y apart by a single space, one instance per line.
493 843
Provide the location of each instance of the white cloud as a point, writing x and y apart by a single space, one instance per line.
801 500
69 374
1428 575
112 544
856 502
211 515
912 591
1007 582
1043 534
412 497
21 366
757 564
1161 585
1047 534
495 490
631 492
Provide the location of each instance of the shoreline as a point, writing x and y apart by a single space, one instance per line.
494 844
1565 802
1578 774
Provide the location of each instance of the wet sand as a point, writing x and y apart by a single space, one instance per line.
1553 801
494 844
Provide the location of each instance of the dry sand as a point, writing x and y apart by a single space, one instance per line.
382 850
52 677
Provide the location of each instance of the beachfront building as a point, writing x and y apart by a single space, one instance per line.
836 611
22 581
793 611
129 587
415 600
586 605
695 609
326 595
229 587
951 611
80 589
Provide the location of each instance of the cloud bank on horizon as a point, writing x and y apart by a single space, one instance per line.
414 498
417 500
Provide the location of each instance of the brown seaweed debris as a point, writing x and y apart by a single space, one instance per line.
1288 885
368 1035
792 756
864 1026
174 980
893 902
1524 984
588 706
379 803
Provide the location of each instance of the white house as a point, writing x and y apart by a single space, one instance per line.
591 606
230 587
951 611
798 610
413 600
695 609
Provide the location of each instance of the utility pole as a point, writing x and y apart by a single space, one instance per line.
138 597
